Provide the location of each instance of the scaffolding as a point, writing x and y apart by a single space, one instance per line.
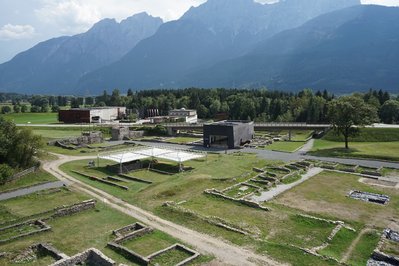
142 153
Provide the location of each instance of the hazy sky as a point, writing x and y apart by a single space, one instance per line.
23 23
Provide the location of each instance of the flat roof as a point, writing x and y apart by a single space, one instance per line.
146 152
94 108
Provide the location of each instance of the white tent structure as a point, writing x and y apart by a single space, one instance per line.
152 152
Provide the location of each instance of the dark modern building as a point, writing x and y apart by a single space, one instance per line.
228 134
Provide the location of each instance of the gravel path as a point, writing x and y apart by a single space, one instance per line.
270 194
33 189
225 252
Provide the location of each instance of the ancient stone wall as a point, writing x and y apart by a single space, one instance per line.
75 208
88 257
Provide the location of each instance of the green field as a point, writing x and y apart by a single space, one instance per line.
32 118
275 230
72 234
285 146
316 196
373 150
183 140
37 177
368 135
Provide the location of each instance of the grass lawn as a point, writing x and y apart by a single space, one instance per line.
364 248
301 135
276 229
285 146
149 243
183 140
340 244
57 133
73 234
326 194
374 150
33 118
37 177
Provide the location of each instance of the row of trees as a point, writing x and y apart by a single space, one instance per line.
258 105
18 148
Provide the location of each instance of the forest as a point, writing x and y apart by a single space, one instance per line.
260 105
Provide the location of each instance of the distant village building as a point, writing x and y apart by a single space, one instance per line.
91 115
228 134
176 115
186 115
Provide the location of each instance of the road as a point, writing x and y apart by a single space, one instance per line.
280 156
30 190
225 253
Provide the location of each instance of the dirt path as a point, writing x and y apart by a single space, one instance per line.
226 253
353 245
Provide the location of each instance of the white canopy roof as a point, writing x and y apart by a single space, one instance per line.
170 155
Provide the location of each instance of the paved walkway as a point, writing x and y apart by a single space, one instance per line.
30 190
270 194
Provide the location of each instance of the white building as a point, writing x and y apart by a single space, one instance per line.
189 116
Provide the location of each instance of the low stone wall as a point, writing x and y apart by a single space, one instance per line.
249 203
193 254
135 179
130 232
42 225
75 208
88 257
214 220
101 180
49 250
255 169
128 254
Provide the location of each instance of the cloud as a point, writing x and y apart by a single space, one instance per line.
70 16
75 16
16 32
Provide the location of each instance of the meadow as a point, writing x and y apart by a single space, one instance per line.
280 232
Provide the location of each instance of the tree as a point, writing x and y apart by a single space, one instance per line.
347 114
5 109
17 108
18 147
5 173
24 108
389 112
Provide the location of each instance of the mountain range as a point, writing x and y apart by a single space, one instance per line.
338 45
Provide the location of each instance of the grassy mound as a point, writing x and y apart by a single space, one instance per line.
368 135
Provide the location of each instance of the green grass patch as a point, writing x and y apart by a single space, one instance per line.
292 255
285 146
150 243
291 179
38 177
33 118
368 135
170 258
371 150
326 194
16 231
183 140
57 134
364 248
340 244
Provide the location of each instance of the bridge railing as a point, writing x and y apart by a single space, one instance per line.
272 124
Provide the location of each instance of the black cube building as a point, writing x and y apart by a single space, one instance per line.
228 134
